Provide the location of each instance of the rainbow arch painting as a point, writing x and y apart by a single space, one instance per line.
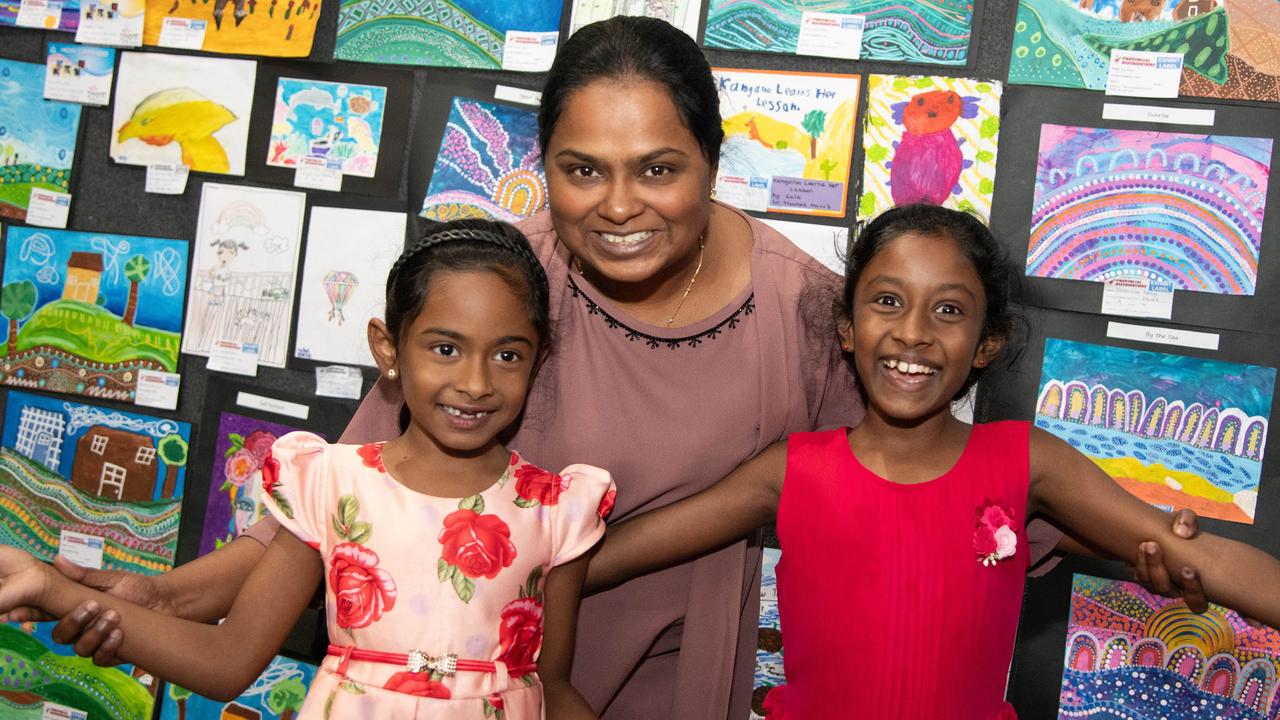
1177 209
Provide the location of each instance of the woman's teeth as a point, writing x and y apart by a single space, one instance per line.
628 239
909 368
459 413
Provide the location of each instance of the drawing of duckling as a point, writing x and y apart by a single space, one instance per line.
927 162
186 117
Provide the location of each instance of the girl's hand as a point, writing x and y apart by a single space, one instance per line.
24 580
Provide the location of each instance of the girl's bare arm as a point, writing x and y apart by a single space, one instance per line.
561 592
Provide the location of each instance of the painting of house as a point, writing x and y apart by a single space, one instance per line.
84 273
115 464
40 436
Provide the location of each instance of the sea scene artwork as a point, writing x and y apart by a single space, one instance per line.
1137 655
1173 430
1178 209
339 123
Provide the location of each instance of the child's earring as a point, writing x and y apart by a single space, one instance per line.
844 347
392 374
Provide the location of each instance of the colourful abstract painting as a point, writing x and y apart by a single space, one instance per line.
489 165
788 140
342 291
99 471
1183 209
1175 431
1134 655
769 672
340 123
34 668
929 140
66 19
914 31
684 14
172 109
1231 48
235 479
446 33
85 312
276 28
243 270
37 138
277 694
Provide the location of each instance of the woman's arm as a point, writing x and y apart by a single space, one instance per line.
561 593
217 661
1070 488
723 513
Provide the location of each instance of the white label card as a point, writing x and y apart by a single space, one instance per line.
315 173
748 193
48 208
273 405
340 381
68 78
81 549
1136 73
517 95
158 389
529 51
101 23
234 357
831 35
43 14
167 179
54 711
1137 297
1154 114
1164 336
182 33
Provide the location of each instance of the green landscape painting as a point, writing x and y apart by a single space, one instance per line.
37 138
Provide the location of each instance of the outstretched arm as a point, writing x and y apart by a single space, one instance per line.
171 647
723 513
1070 488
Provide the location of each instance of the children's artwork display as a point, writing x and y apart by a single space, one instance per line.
929 140
275 28
244 269
1184 210
236 477
340 123
112 22
448 33
79 73
277 694
1228 46
828 244
37 138
788 140
180 109
1141 656
86 312
341 290
109 474
684 14
489 164
769 672
1175 431
36 669
923 33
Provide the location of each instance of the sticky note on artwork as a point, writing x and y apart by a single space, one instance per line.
821 196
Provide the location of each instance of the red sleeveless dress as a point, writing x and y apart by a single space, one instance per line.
887 609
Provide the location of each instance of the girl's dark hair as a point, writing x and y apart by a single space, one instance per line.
1000 279
636 48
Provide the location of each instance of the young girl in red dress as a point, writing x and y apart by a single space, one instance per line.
453 567
904 538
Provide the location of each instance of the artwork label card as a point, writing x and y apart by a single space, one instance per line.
182 33
1137 73
1137 297
339 381
40 14
1165 336
831 35
167 178
237 358
112 22
529 51
1154 114
48 208
158 389
81 549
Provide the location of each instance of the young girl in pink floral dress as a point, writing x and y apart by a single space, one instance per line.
904 538
452 566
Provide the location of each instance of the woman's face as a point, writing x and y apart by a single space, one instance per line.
629 186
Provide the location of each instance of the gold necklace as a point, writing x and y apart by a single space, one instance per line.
702 247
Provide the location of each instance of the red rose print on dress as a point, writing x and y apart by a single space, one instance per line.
606 504
362 591
493 707
520 632
422 684
994 538
371 455
475 546
271 485
537 486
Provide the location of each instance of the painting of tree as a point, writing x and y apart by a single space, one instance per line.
136 271
172 450
17 302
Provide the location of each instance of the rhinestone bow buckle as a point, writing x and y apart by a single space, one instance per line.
419 661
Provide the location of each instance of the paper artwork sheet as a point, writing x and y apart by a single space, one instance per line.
274 28
66 18
85 312
244 269
923 33
1141 656
37 138
112 22
489 164
277 694
828 244
453 33
769 672
1175 431
788 140
1230 48
684 14
929 140
108 473
1183 209
341 290
172 109
340 123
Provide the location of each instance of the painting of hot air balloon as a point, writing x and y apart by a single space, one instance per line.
342 290
178 109
340 123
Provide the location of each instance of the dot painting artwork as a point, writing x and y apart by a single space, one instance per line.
1173 208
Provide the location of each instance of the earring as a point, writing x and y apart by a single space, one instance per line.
392 373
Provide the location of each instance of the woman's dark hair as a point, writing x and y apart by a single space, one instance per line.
999 277
636 48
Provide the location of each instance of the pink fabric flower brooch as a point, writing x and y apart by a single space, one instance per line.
995 538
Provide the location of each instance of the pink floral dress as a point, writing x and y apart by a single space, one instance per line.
406 571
